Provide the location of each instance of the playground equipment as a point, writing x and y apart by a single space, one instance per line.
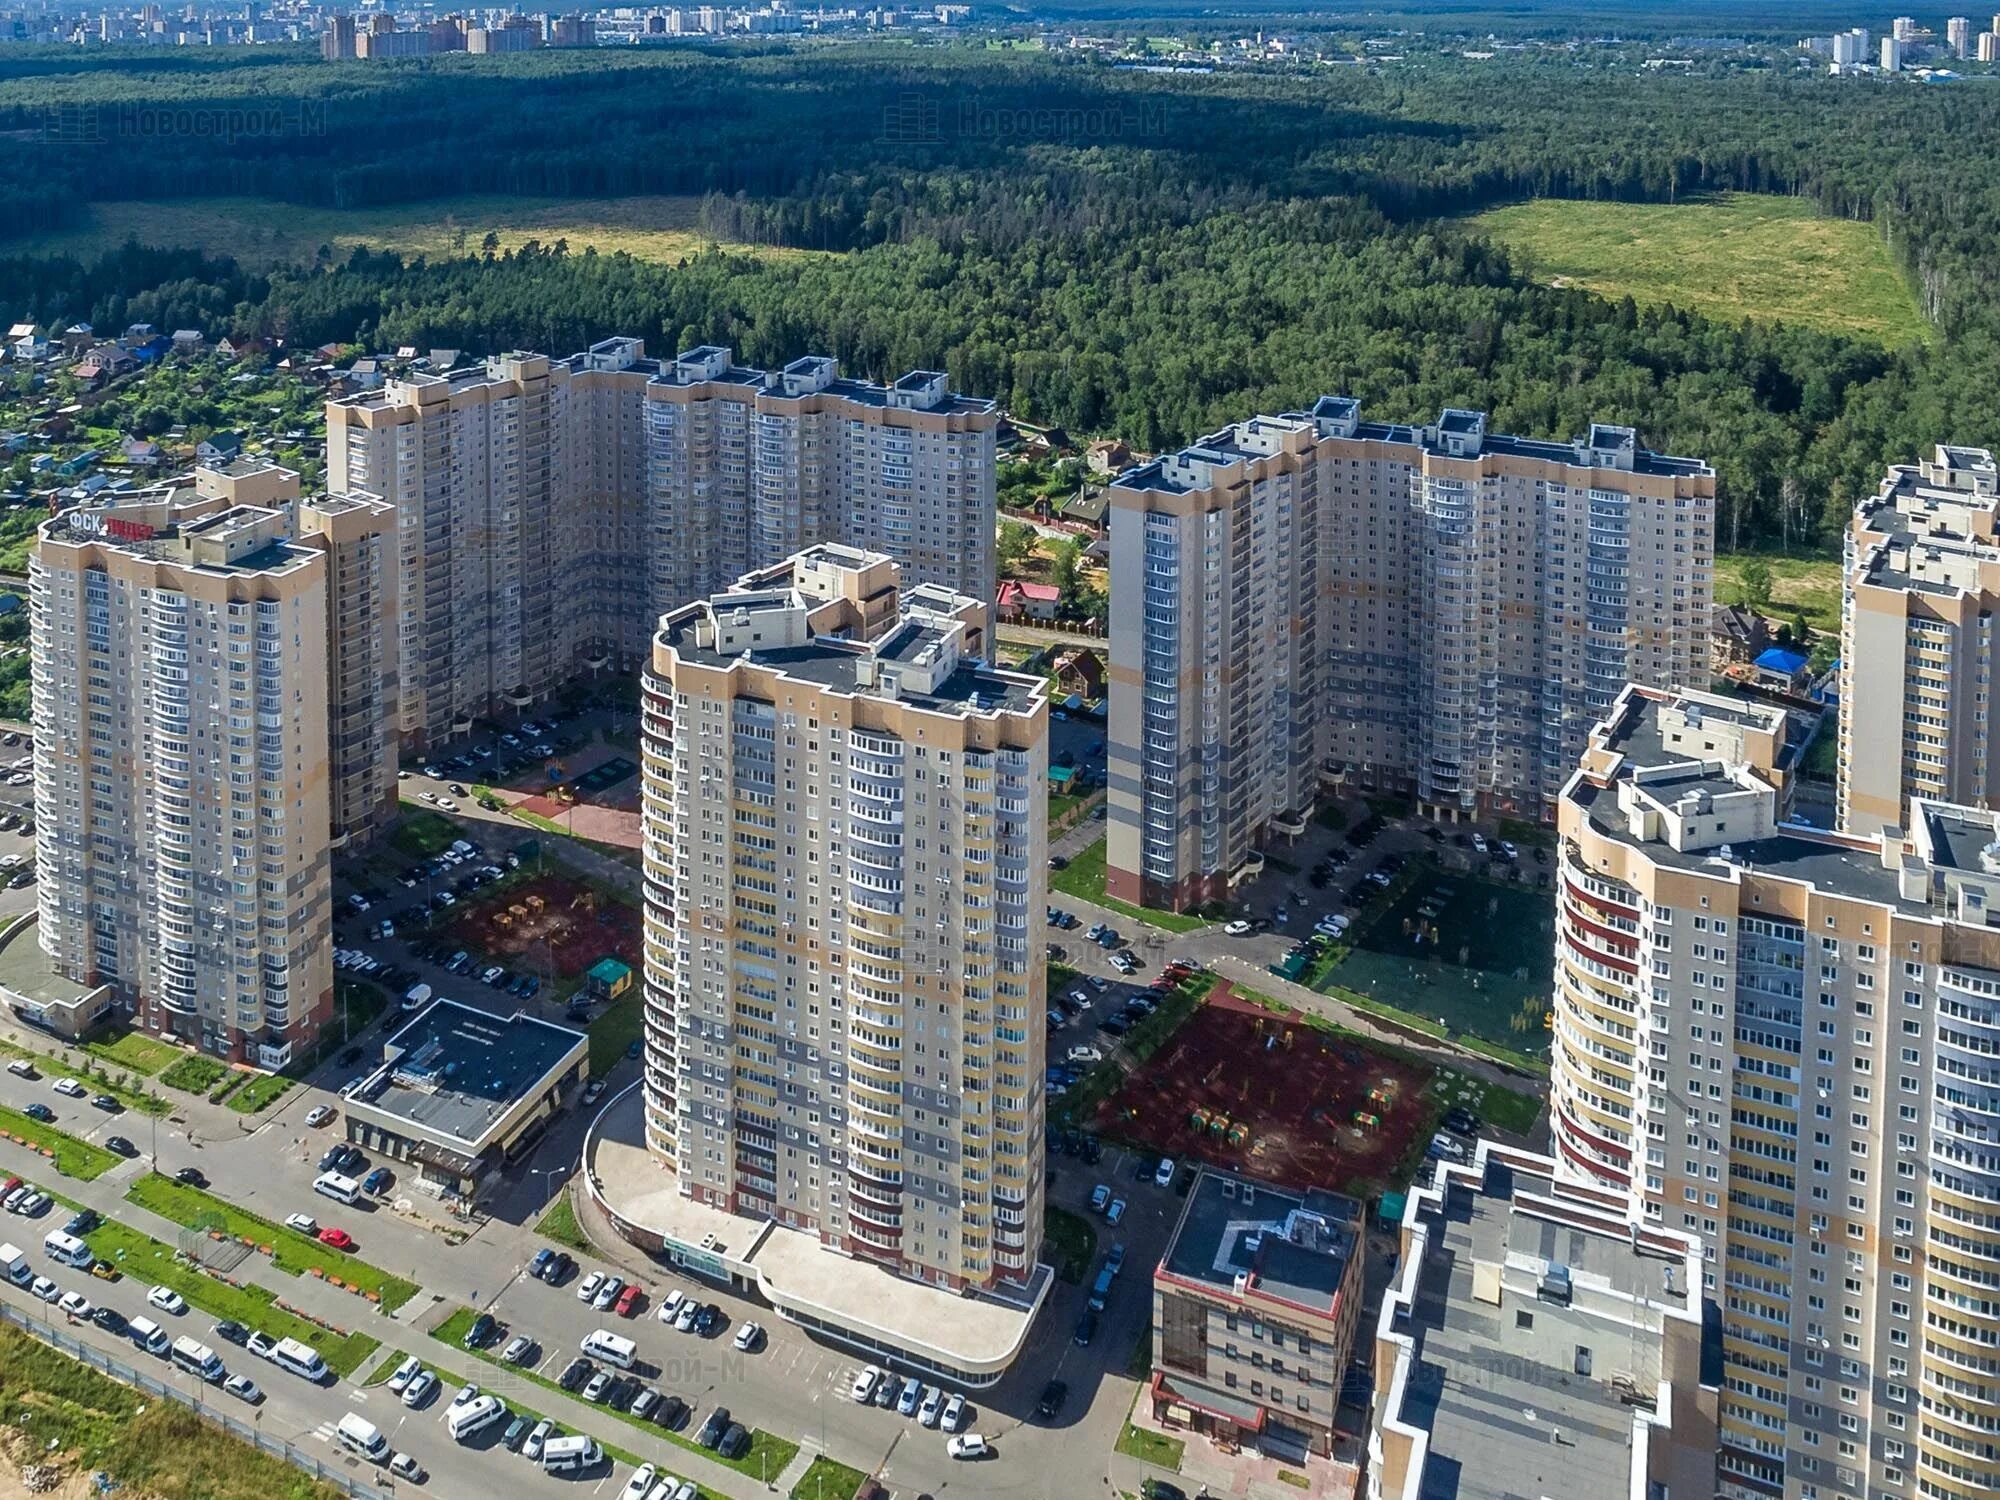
1367 1121
1198 1120
1218 1126
1238 1134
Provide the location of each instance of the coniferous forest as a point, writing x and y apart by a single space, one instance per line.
1119 251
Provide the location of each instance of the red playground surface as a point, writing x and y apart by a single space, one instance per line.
1267 1095
577 925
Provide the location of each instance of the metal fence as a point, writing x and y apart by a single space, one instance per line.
152 1385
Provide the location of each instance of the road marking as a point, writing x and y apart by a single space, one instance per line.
324 1432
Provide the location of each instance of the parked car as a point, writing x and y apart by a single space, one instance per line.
519 1350
969 1445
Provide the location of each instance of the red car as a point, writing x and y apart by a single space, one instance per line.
339 1239
628 1301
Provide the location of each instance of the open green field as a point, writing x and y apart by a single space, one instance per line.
1473 954
261 232
147 1447
1736 256
1808 586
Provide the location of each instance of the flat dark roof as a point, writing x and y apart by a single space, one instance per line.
457 1071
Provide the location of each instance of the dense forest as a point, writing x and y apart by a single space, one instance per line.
1119 251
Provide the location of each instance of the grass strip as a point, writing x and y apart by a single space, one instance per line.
1083 877
1071 1240
148 1447
194 1074
156 1263
559 1224
767 1455
73 1158
94 1076
262 1091
1151 1447
293 1253
829 1479
135 1052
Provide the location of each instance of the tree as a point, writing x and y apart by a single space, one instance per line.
1755 579
1015 546
1069 576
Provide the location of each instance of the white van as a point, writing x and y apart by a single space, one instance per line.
301 1359
419 995
149 1335
14 1265
333 1185
569 1455
363 1436
20 1067
193 1355
476 1415
612 1348
66 1248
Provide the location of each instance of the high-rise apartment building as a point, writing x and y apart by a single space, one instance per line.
1989 46
1215 659
1958 36
358 535
1918 647
845 845
337 41
1783 1042
1437 609
180 706
548 512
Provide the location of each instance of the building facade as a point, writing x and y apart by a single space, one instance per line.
845 841
179 649
1255 1306
1215 697
358 535
1922 570
548 512
1440 610
1782 1042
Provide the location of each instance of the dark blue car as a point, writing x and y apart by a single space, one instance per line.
544 1258
378 1181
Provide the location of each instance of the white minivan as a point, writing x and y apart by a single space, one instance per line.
363 1436
572 1454
612 1348
333 1185
475 1416
67 1248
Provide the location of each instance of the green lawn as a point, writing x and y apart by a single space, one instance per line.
150 1261
1083 878
259 1093
135 1052
195 1074
828 1480
1807 586
1729 257
1071 1241
73 1157
768 1454
96 1075
1151 1447
293 1253
559 1224
616 1028
422 833
147 1447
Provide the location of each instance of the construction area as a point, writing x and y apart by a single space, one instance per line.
552 922
1269 1096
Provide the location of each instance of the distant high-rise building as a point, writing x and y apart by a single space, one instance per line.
1918 648
1851 47
846 841
1892 54
1903 28
337 41
181 748
573 31
1435 609
1989 45
549 511
1958 36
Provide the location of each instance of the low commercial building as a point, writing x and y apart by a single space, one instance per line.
463 1092
1538 1341
1255 1305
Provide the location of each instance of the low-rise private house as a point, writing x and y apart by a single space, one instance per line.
1109 456
1736 637
218 449
140 452
1027 601
136 334
187 341
77 339
26 344
1079 673
1090 508
1781 668
105 362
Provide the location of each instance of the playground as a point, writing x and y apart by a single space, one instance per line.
1474 954
573 923
1268 1095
